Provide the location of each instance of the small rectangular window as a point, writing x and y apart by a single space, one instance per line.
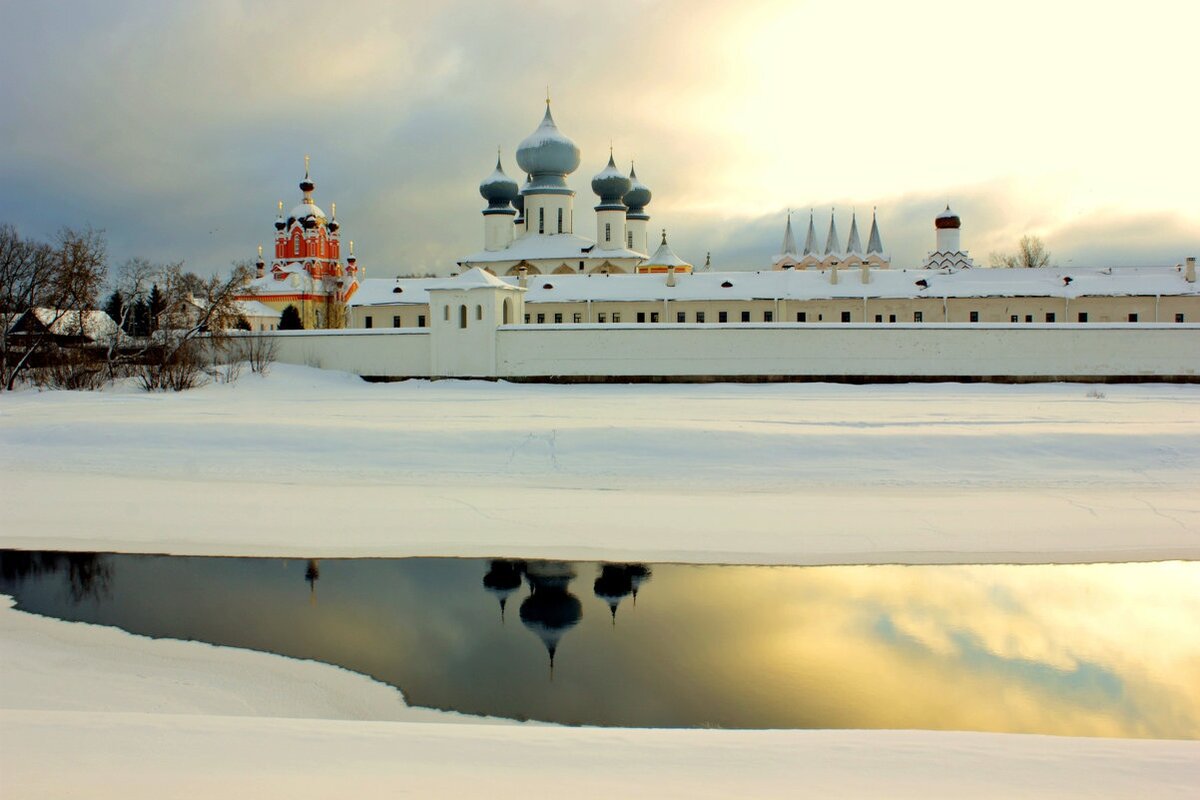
879 317
581 266
560 228
541 319
608 231
722 316
1029 317
745 316
395 322
558 319
602 317
1133 317
641 316
1049 316
918 316
699 316
974 316
541 220
421 321
654 316
845 316
370 322
891 317
801 316
446 313
1083 316
577 317
526 319
681 316
768 316
630 236
1014 318
1179 317
616 316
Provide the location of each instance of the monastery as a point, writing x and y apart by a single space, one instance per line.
530 242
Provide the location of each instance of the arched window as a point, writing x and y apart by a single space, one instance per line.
296 245
446 313
507 311
462 316
478 312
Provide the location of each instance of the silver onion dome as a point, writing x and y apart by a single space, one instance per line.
548 157
611 185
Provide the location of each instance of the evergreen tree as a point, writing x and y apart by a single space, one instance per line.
115 307
156 306
289 320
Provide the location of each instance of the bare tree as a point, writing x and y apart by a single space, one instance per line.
194 325
133 284
65 279
1031 253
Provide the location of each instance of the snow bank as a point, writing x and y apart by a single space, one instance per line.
311 463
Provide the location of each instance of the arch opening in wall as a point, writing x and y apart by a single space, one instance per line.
479 313
508 313
446 313
462 316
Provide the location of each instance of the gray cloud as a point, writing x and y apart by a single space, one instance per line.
176 127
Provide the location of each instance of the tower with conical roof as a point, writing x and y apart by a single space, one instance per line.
664 260
499 191
853 242
611 185
831 239
787 257
548 157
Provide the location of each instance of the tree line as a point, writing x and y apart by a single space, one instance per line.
163 325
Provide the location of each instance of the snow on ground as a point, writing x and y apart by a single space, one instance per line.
309 463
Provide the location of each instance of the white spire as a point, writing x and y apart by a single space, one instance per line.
810 241
874 244
789 241
831 241
854 244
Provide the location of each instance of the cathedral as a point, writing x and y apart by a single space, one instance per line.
307 272
531 228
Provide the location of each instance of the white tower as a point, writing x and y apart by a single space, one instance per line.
611 186
948 224
500 191
548 157
636 218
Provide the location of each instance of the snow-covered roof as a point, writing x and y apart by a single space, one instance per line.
92 324
553 246
474 278
383 291
854 243
815 285
253 308
664 256
811 246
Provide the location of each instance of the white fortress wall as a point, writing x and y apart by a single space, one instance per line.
918 350
981 350
399 353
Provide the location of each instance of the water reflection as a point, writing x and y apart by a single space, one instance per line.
1103 650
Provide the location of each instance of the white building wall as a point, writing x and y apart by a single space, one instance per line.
846 351
1054 351
551 204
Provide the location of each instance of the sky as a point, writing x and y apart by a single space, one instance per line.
177 126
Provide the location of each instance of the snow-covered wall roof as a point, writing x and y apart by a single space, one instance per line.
560 246
815 285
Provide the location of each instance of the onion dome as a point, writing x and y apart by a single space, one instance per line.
548 156
612 586
280 224
611 185
637 198
947 219
307 184
502 580
259 262
333 223
499 190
